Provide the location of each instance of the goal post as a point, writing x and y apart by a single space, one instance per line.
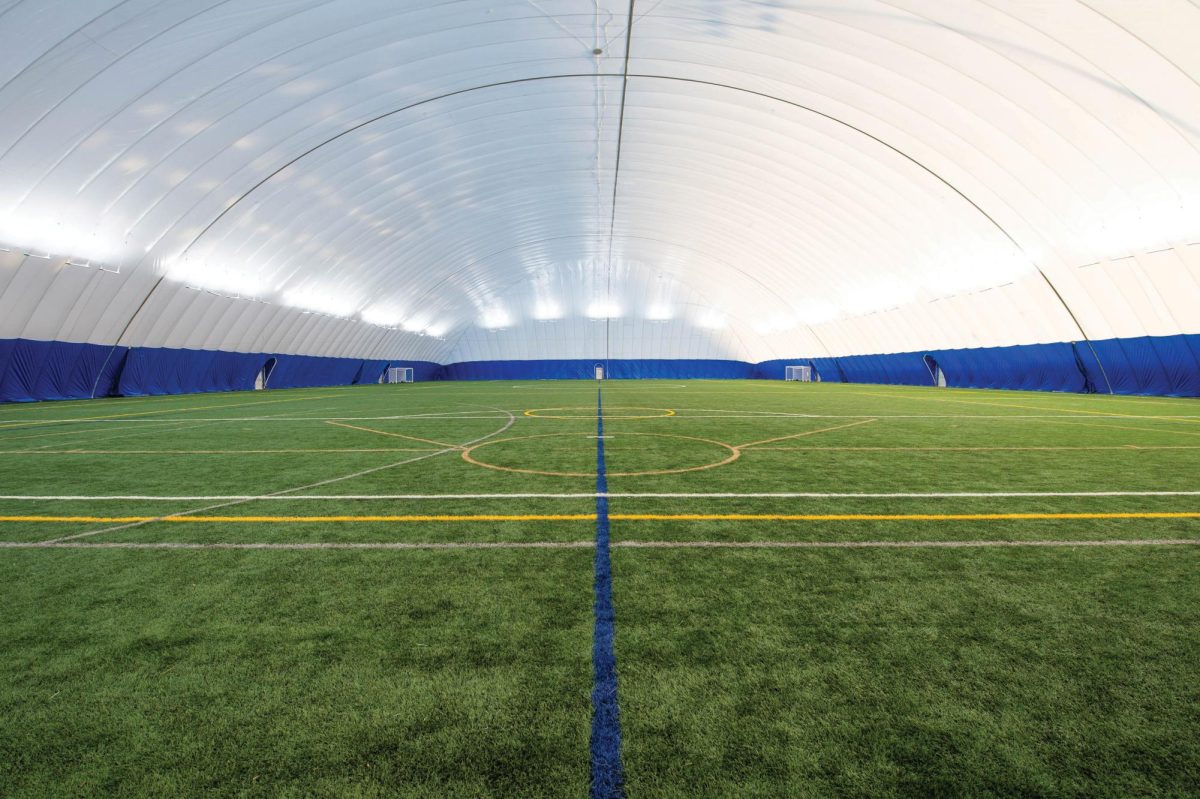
399 374
800 374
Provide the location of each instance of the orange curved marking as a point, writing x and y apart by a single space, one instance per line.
536 413
735 453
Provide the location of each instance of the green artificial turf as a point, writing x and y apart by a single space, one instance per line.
294 674
1047 671
1014 673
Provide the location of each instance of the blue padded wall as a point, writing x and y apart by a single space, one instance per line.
53 370
177 371
46 370
1167 365
41 370
579 369
1160 365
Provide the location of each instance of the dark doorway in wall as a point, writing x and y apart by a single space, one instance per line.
935 372
264 374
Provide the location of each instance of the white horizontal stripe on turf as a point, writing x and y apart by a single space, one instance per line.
284 498
394 545
451 416
592 495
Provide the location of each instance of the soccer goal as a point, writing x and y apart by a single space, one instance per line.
801 374
399 374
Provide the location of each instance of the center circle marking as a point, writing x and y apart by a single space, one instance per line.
589 412
468 454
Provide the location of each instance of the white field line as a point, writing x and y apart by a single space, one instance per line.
446 415
681 413
299 545
291 497
167 426
977 544
393 545
507 424
314 497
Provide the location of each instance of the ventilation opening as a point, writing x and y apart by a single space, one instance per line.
599 371
935 372
264 375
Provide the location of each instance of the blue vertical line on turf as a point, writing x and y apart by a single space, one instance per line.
608 774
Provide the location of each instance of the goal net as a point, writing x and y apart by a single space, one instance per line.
801 374
399 374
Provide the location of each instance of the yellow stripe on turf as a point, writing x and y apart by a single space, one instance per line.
891 517
636 517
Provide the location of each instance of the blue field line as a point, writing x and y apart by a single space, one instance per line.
608 773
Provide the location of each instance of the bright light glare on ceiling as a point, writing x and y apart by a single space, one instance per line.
711 319
383 316
229 282
319 301
603 309
495 318
546 310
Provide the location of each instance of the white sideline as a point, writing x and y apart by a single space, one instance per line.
589 495
394 545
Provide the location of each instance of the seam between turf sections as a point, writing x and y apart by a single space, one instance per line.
451 545
509 423
608 773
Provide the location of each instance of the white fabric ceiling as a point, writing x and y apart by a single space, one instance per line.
393 178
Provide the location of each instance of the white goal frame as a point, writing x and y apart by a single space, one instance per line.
399 374
799 374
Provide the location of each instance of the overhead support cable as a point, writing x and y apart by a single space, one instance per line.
928 169
612 221
625 75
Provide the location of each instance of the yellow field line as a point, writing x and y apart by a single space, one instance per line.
441 444
1022 406
113 401
980 449
213 407
806 433
1082 423
670 517
166 426
916 517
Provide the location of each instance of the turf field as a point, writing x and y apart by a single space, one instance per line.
819 590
